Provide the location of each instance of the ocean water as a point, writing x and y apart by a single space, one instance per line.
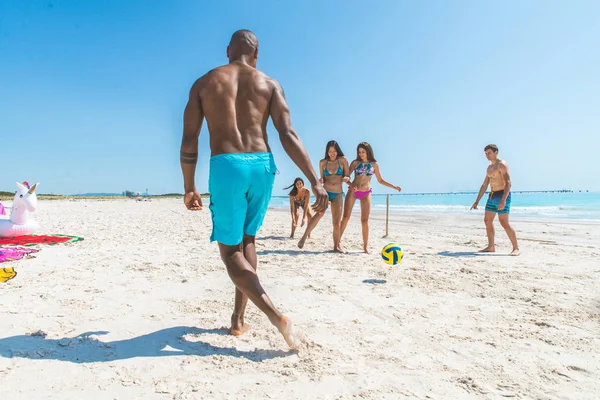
573 205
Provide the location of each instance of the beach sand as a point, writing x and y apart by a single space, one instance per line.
139 310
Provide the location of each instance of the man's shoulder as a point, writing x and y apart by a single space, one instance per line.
271 83
212 74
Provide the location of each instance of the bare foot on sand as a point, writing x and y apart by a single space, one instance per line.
367 251
489 249
238 327
301 242
292 335
515 252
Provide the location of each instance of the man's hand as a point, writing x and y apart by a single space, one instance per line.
501 205
192 200
474 206
322 198
398 188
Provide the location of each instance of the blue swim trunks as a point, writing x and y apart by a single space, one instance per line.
240 187
494 200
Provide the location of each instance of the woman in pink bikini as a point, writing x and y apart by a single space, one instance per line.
364 167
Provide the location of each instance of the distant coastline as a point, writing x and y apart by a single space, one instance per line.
5 195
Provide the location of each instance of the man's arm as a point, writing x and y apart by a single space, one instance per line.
322 172
192 124
306 205
280 114
482 190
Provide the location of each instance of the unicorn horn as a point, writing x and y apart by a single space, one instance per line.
32 189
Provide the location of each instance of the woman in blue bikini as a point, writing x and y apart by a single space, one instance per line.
334 171
364 167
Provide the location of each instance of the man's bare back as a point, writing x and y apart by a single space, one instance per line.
235 99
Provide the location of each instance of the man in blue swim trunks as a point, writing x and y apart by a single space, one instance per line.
498 177
237 101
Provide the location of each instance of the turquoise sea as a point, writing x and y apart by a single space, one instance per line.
574 205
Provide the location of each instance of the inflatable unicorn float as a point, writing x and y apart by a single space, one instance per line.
19 222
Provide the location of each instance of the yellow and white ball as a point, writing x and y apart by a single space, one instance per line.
392 254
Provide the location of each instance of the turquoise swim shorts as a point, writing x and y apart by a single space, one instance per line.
240 187
493 201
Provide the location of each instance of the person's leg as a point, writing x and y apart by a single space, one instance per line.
309 228
294 226
488 219
365 212
228 206
336 218
309 214
348 205
246 281
512 235
238 326
242 259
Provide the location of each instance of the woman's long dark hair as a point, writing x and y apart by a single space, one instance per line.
368 149
334 144
294 190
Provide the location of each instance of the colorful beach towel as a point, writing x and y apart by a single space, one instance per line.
31 240
6 274
14 253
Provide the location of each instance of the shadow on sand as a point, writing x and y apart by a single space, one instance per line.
290 252
375 281
166 342
274 238
469 254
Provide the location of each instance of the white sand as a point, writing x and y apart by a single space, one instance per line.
154 294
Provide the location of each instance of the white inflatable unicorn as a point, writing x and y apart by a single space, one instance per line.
19 223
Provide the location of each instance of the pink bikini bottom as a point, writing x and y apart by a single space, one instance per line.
360 194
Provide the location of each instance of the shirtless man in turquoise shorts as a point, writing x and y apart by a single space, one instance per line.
498 177
237 101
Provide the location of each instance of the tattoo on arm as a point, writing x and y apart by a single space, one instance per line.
188 158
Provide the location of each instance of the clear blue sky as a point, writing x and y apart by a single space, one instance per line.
92 93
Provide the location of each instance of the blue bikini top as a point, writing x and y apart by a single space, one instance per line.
339 171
